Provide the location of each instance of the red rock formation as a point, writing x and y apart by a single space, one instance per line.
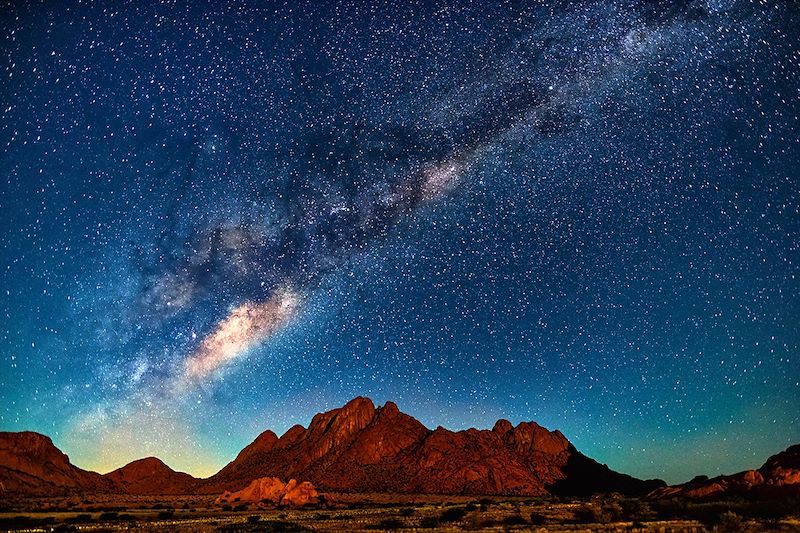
360 448
356 448
778 477
783 468
273 491
31 464
150 476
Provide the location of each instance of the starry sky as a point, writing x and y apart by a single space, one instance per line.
219 218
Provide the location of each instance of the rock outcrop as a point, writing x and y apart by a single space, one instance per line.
30 464
150 476
272 491
779 477
361 448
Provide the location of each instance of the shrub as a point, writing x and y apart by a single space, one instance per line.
453 514
538 519
17 522
407 511
166 514
253 518
109 515
79 518
589 513
670 509
429 522
635 509
514 520
730 522
389 523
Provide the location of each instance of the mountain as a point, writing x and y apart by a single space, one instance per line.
779 477
31 464
361 448
355 448
150 476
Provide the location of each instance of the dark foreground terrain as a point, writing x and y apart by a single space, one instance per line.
389 512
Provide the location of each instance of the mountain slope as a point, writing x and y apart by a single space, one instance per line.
778 477
31 464
360 448
150 476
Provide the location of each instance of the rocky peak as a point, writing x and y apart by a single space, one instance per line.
501 427
30 445
263 443
32 464
328 431
150 476
143 468
529 437
389 409
343 422
789 458
146 464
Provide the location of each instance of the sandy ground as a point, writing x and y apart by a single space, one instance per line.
377 512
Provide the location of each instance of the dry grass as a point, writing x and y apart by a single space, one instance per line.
383 512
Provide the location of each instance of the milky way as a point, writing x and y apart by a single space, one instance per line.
219 219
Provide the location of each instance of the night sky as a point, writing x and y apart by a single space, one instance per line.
222 219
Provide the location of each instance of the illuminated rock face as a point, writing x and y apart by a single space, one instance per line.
361 448
151 476
779 477
31 464
272 490
355 448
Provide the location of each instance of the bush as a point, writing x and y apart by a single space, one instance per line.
589 513
538 519
407 511
78 519
635 509
514 520
17 522
730 522
253 519
389 523
429 522
612 511
166 514
109 515
453 514
668 509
